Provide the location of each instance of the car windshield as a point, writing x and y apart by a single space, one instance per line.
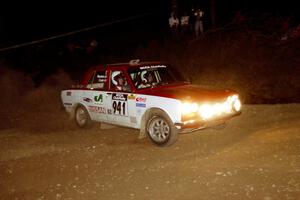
148 76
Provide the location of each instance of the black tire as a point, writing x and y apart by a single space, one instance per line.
82 117
160 129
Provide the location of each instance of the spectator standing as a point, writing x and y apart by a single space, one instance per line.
184 23
174 24
192 20
198 14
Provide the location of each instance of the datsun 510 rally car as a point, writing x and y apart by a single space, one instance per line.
150 96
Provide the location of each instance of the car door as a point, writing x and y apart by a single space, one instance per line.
94 98
119 102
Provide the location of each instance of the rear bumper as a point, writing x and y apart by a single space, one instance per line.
197 124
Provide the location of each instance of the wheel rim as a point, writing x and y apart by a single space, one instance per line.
159 130
81 116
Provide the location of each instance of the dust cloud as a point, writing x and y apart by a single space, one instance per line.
27 106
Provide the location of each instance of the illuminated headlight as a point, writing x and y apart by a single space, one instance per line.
232 98
206 111
237 105
235 102
210 110
189 108
232 103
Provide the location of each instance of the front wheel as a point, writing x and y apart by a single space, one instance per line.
161 130
82 117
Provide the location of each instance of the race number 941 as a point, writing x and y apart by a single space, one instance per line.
119 107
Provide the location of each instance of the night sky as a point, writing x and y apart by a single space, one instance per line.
29 22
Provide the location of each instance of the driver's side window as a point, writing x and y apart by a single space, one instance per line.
98 80
119 81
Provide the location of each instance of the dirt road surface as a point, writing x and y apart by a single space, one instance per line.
43 155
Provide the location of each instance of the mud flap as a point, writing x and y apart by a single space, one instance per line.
143 129
144 121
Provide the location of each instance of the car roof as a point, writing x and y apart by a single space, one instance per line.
131 64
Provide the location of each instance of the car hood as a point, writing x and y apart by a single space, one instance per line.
190 93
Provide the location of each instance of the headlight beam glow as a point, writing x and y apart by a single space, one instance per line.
209 110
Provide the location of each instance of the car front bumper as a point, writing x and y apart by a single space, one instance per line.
194 124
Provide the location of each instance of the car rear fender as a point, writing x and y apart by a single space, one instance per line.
74 107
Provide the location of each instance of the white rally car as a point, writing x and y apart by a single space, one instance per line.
150 96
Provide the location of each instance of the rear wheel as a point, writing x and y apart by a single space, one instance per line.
160 129
82 117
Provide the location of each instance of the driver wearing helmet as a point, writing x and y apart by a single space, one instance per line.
149 80
121 83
